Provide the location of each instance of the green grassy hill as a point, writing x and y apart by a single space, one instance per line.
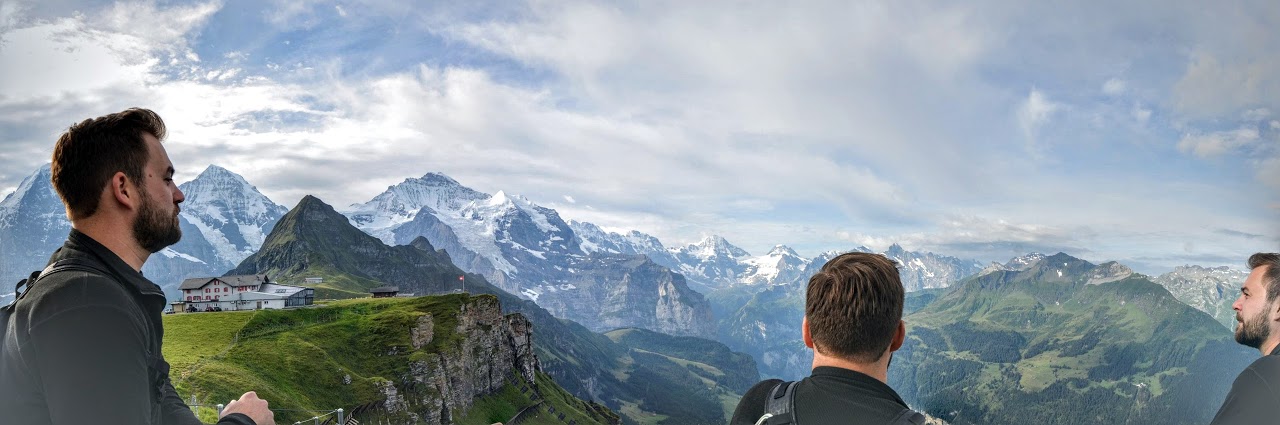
347 355
1044 346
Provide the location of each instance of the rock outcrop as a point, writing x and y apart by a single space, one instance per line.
483 353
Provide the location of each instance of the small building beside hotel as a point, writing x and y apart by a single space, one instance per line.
385 291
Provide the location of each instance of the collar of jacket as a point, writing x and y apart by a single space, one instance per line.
81 244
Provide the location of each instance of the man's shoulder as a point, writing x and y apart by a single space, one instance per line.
75 287
1268 361
753 402
1267 368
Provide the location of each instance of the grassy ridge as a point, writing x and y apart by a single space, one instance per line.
310 361
1042 347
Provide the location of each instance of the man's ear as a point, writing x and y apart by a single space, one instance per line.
804 332
122 190
899 336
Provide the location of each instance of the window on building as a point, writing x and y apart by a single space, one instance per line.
206 290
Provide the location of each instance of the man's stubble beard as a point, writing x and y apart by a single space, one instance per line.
153 229
1253 331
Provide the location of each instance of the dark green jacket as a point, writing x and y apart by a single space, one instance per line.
86 349
1255 396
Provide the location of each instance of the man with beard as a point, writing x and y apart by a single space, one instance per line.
1255 395
84 341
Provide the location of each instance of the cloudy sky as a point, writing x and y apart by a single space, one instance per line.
1147 132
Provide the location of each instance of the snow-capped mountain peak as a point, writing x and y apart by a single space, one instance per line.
780 265
500 199
401 202
714 246
217 188
782 251
231 214
11 201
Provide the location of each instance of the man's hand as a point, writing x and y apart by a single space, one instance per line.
250 405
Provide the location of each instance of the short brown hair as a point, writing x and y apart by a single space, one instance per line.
89 153
1270 278
854 305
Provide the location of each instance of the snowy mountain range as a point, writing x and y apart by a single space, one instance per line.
528 250
524 248
223 220
712 263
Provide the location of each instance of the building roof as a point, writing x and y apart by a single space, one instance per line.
233 281
280 290
195 283
245 280
384 289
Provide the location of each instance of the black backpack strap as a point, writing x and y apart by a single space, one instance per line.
909 417
780 407
66 264
18 292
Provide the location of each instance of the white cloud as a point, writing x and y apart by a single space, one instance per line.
341 12
9 12
1140 114
55 59
1034 112
1114 87
676 118
165 28
1213 87
1218 143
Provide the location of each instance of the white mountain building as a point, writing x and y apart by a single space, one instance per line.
248 292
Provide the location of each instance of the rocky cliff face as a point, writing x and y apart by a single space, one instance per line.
488 351
33 224
1208 289
607 292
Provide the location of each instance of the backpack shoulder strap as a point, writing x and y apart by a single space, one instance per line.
66 264
779 408
909 417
